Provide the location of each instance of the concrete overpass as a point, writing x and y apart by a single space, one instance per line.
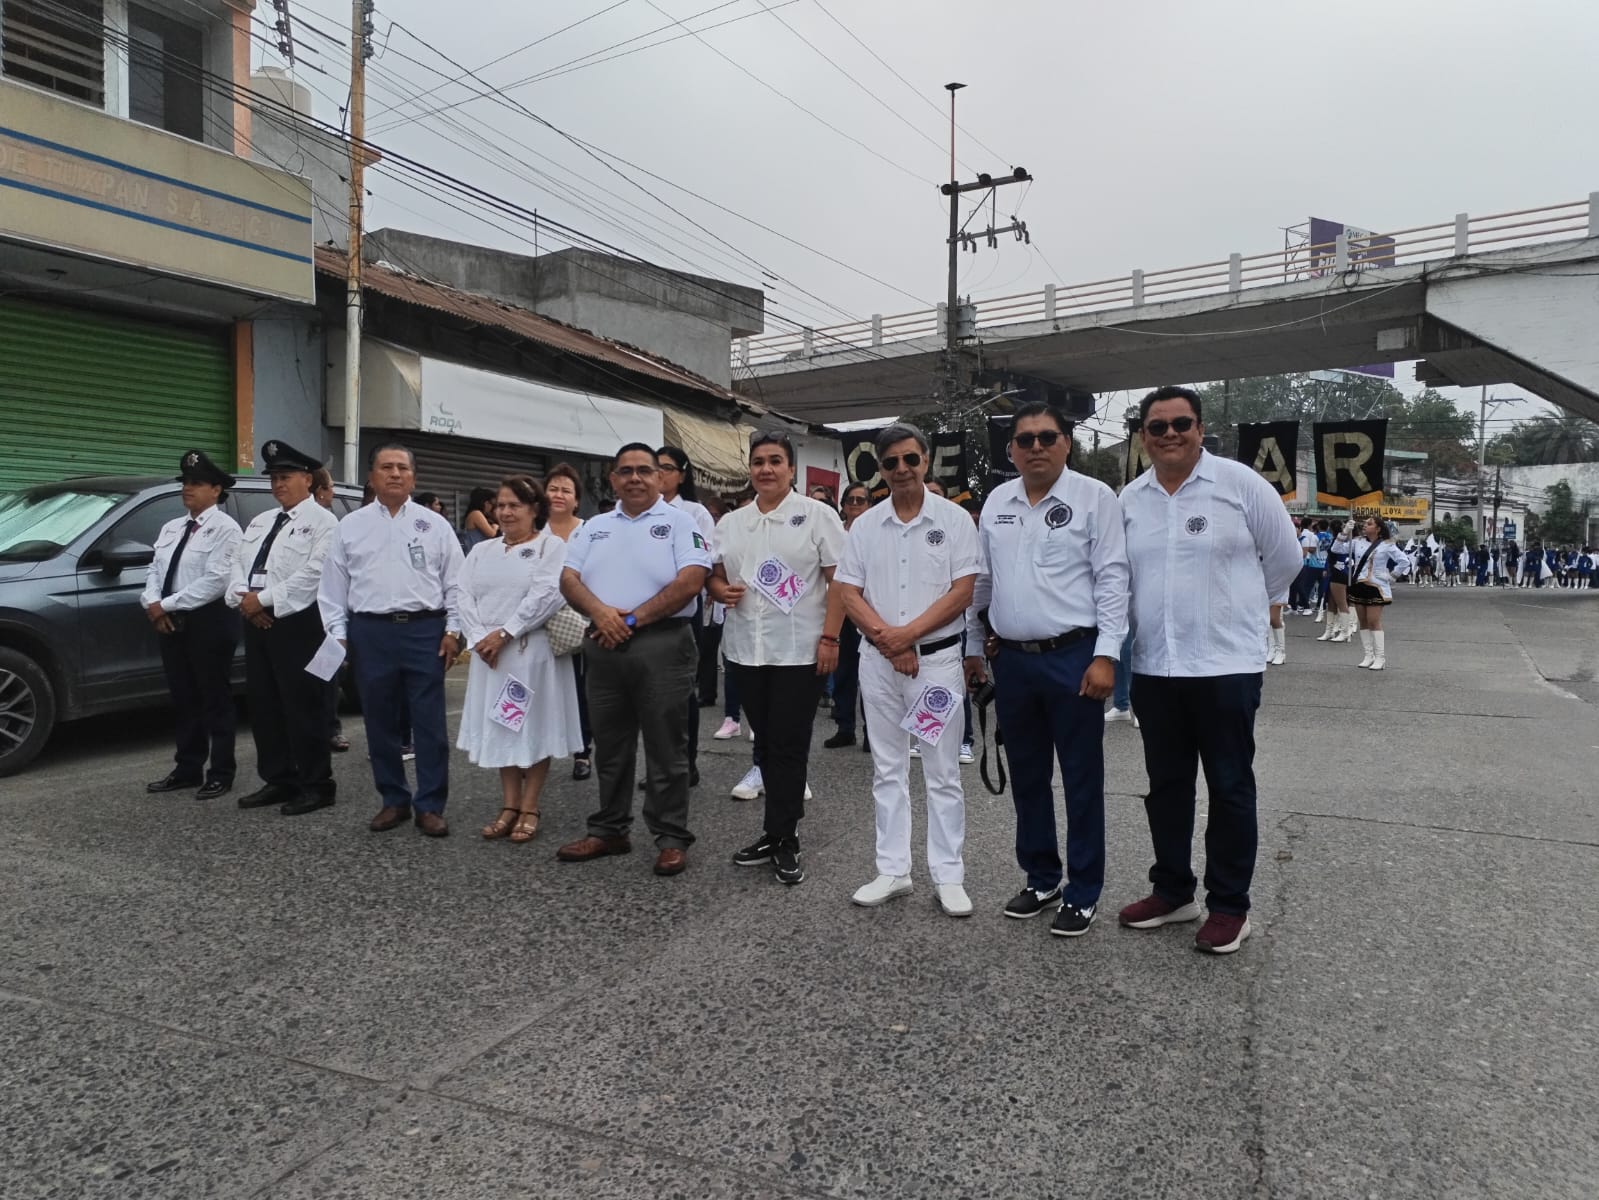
1509 298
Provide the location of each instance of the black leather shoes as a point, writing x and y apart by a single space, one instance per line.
172 783
306 802
840 740
582 768
212 788
267 796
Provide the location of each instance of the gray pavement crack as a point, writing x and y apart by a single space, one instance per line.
1488 833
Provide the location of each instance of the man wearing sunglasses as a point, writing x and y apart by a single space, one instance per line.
906 579
1052 601
1210 545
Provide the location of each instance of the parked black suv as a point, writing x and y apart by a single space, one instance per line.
74 640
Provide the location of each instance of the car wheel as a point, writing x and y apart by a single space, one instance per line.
27 710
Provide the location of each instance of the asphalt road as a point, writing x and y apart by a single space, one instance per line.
201 1002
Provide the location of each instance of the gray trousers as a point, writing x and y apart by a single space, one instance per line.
642 688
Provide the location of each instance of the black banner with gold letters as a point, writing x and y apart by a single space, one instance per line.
1349 461
1269 448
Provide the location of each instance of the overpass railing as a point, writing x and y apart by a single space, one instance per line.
1360 252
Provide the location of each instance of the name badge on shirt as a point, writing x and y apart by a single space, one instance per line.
258 581
418 556
775 580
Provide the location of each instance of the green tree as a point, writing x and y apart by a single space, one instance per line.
1547 440
1104 464
1456 531
1560 522
1431 424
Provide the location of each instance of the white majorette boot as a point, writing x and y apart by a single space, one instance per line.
1329 631
1380 660
1321 613
1278 653
1365 641
1351 623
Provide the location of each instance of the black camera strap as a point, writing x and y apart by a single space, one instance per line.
999 743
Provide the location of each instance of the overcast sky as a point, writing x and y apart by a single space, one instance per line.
1161 133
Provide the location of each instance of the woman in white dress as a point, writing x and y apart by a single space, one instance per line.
563 489
510 586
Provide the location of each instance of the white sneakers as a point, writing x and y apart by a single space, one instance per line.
883 889
752 786
1112 715
966 755
952 898
730 729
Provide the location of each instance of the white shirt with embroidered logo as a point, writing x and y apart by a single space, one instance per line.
807 536
627 560
205 567
1205 562
1052 567
294 564
408 561
903 568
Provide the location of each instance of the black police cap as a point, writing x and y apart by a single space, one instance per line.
197 467
280 456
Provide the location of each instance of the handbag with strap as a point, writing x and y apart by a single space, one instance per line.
565 630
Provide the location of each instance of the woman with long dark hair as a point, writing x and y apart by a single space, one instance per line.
478 523
521 702
1377 563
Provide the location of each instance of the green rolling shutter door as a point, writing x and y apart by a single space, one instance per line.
87 394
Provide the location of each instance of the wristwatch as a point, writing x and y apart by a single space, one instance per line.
630 621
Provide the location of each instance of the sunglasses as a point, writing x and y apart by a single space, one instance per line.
1047 438
854 499
1176 424
891 463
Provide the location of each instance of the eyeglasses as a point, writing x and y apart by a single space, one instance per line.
1047 438
1176 424
854 499
629 472
891 463
667 466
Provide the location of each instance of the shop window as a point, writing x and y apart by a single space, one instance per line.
58 45
165 60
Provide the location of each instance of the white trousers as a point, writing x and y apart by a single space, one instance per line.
887 696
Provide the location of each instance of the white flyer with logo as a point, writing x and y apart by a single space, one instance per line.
510 706
776 580
931 714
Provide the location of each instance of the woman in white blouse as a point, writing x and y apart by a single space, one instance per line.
521 703
563 489
773 570
1374 563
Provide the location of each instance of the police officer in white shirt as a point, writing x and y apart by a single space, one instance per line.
636 572
906 576
197 631
1210 545
273 585
775 561
1052 601
391 593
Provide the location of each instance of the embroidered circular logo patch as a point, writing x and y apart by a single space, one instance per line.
935 537
940 700
527 552
660 532
1196 525
1059 516
421 525
769 573
797 520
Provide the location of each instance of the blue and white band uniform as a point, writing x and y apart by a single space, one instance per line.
1206 561
627 560
902 568
294 563
1052 567
204 567
409 561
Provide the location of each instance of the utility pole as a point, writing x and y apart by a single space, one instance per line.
954 189
1484 534
360 51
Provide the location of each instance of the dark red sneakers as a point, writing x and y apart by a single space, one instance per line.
1152 912
1222 933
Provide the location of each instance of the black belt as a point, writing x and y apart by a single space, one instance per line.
1045 645
944 643
400 618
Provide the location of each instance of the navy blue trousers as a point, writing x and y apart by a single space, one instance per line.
1037 705
1189 723
394 661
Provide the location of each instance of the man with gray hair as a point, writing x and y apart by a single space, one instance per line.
906 577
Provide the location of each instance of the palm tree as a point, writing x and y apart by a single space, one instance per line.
1555 439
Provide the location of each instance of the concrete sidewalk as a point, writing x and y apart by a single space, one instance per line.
197 1001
